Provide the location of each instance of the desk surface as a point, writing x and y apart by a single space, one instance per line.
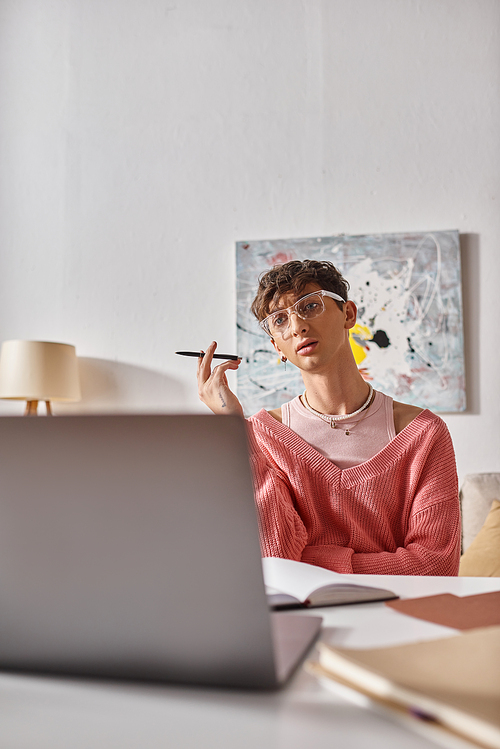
53 713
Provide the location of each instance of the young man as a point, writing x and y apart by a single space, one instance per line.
345 478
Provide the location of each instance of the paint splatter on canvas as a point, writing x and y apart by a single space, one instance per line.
408 339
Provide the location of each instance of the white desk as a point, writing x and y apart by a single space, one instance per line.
52 713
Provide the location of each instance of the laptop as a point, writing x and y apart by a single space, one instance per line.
129 548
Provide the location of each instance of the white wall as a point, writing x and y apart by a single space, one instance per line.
139 139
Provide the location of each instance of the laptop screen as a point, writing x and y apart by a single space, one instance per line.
129 547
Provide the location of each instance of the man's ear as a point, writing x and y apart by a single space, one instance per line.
275 346
351 314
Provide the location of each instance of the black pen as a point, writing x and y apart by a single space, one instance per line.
200 355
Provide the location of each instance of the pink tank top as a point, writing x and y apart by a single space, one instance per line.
369 431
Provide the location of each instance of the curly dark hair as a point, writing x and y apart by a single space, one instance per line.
295 276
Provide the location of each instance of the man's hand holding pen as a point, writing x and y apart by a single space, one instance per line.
213 387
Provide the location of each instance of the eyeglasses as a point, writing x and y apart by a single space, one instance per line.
308 307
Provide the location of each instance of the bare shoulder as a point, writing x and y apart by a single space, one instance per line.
404 415
276 414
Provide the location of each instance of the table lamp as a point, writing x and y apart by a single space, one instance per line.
38 371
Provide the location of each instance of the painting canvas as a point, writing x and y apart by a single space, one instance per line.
408 339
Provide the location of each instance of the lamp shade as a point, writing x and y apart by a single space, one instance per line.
39 370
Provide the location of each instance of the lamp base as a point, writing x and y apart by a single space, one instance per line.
32 408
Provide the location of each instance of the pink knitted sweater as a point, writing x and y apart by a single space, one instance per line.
395 514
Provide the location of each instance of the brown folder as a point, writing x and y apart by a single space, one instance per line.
467 612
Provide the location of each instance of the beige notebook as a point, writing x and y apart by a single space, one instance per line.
455 681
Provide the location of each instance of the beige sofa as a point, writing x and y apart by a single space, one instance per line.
480 524
476 495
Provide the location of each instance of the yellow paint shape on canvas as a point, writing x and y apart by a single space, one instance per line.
362 333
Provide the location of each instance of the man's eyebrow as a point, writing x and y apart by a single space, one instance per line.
280 309
298 295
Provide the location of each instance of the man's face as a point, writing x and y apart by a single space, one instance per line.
311 344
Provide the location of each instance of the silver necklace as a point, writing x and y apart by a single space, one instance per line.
333 419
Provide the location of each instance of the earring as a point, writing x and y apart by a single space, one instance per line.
284 361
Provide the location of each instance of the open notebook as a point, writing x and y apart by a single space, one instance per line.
291 584
129 549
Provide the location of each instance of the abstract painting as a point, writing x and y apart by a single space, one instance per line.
408 339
